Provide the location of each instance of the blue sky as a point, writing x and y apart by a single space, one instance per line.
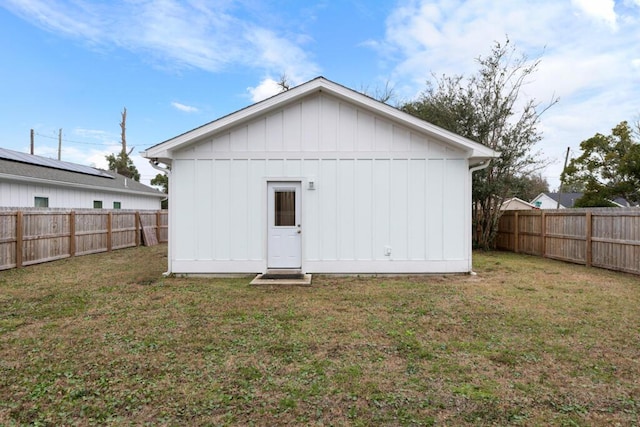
176 65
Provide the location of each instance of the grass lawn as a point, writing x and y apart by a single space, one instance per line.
104 339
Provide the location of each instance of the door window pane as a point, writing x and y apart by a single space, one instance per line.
285 205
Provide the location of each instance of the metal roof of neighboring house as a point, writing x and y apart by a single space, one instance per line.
566 199
622 202
22 170
50 163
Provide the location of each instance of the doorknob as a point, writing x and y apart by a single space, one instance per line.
299 231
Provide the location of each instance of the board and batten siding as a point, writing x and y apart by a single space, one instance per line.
20 194
378 185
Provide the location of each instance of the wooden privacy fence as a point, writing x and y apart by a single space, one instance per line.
39 235
600 237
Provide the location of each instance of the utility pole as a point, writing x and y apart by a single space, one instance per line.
32 144
566 158
60 144
123 126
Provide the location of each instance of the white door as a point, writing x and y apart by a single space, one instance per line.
284 235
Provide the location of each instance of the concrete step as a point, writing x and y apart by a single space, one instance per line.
289 278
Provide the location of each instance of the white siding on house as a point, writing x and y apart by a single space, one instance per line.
296 129
455 208
417 209
546 202
378 185
359 208
436 214
391 193
21 194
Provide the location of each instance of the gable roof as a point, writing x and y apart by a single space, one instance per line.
162 152
18 166
568 200
515 203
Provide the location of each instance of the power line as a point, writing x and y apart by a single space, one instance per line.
78 142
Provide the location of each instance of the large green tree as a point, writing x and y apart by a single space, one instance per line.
122 164
608 167
161 180
527 187
488 107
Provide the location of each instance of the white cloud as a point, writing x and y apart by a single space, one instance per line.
267 88
183 107
601 10
56 19
281 55
208 36
591 67
99 135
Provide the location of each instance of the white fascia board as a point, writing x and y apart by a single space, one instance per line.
320 84
65 184
162 156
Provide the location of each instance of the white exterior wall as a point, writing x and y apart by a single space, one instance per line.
377 185
22 195
547 202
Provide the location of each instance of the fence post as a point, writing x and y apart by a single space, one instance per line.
19 236
137 228
543 233
72 233
109 243
588 234
516 233
158 225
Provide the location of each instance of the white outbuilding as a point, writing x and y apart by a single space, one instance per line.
319 179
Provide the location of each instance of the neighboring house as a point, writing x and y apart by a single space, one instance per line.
567 200
550 200
516 204
28 181
320 179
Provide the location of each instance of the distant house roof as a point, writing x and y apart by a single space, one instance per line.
622 202
568 200
514 204
32 159
27 167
